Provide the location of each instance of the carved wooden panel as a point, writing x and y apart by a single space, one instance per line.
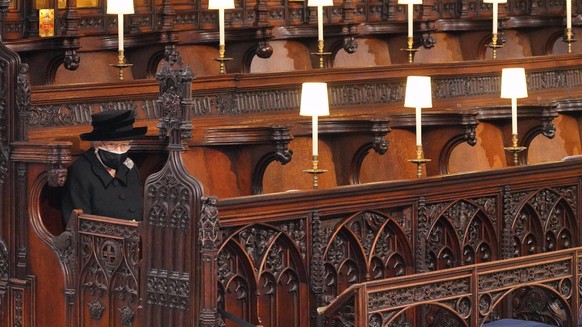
544 220
108 272
536 288
262 273
462 232
365 246
547 302
453 293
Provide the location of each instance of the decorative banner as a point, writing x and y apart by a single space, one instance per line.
46 22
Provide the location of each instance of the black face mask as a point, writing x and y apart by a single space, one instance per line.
111 159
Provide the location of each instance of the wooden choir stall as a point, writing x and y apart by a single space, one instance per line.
235 234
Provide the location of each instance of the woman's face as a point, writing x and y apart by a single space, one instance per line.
115 146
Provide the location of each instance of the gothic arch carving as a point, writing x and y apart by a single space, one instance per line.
480 241
544 220
371 240
461 232
273 268
233 281
443 246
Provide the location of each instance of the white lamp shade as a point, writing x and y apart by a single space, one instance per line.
408 2
513 83
316 3
314 101
120 7
220 4
418 92
494 1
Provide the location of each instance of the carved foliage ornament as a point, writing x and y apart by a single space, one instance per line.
96 309
3 261
60 115
23 95
379 301
176 99
4 108
168 289
126 316
209 226
18 309
318 247
65 244
96 227
256 240
524 275
296 231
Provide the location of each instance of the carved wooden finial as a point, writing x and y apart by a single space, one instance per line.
175 101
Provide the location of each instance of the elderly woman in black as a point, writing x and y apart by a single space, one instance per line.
104 181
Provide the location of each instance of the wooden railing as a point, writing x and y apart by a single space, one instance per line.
305 248
468 296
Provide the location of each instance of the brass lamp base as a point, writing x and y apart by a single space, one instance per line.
320 53
569 38
494 45
121 65
410 50
315 171
515 149
221 59
419 161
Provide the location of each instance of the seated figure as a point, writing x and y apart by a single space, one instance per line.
104 181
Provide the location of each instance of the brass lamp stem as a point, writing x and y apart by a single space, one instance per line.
515 149
320 53
419 161
569 38
409 49
121 65
315 171
494 45
221 59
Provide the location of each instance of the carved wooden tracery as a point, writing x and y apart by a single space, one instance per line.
261 273
365 246
544 220
108 266
461 232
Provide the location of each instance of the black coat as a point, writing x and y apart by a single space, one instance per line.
91 188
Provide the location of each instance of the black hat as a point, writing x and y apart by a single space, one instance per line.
113 125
